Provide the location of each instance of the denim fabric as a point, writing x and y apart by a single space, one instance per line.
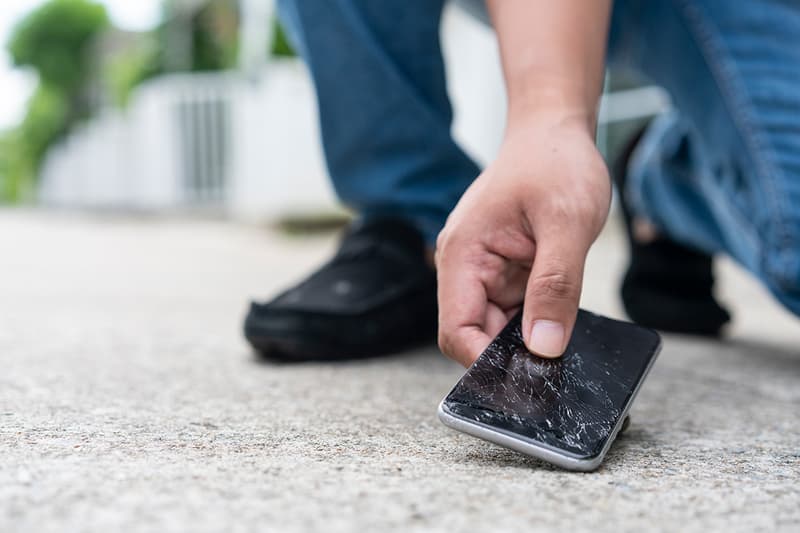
722 172
384 109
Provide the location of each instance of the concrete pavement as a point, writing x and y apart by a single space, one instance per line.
129 402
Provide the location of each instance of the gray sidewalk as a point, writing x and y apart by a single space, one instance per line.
129 402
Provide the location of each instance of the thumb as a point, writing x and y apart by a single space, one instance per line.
553 294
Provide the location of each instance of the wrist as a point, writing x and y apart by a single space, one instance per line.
556 102
563 118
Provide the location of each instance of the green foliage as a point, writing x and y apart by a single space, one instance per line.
213 46
212 39
53 40
22 149
14 174
215 36
129 69
281 47
45 120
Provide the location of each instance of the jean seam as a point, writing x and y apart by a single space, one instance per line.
730 86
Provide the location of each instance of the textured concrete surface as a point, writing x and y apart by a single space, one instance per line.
129 402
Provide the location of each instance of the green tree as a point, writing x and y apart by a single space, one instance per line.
53 40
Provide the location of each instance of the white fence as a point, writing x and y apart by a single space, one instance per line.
251 147
195 140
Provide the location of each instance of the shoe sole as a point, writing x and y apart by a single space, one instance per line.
292 351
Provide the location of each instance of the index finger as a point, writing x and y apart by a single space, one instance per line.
463 305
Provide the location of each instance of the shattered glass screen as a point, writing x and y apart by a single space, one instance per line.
572 403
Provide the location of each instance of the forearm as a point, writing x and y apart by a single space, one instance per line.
553 54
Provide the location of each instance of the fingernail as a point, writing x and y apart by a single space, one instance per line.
547 338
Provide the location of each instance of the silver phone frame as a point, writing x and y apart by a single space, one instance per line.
540 450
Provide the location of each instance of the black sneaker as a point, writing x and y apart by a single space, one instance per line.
668 286
376 296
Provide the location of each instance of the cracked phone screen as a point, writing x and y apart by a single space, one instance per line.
571 403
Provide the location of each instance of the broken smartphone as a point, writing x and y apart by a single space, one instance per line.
566 411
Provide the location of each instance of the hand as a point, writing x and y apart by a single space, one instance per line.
521 232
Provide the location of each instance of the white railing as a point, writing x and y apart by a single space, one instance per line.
198 140
172 148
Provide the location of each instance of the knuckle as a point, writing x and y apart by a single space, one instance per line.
443 238
445 343
554 285
439 250
576 210
440 240
569 212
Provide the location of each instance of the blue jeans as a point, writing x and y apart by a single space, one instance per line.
721 173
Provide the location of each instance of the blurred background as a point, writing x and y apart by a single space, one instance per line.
202 105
